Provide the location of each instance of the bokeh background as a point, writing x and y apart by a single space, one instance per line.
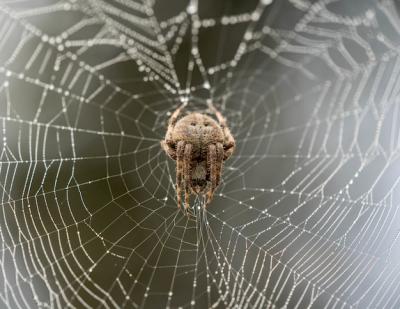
307 215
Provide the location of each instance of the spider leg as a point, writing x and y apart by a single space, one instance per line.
229 143
179 171
212 163
174 117
219 161
187 170
221 119
168 144
171 152
229 146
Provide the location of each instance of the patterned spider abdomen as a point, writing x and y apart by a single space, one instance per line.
200 131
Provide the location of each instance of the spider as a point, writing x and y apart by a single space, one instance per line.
199 145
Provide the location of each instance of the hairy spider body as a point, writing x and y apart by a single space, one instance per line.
199 145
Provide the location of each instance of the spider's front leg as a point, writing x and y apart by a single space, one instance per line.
187 170
168 144
220 159
229 144
229 141
214 162
179 171
174 117
168 147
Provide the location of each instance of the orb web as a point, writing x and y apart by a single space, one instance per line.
307 213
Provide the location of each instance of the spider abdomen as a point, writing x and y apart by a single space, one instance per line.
198 130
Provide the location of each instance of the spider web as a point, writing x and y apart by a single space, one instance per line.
307 214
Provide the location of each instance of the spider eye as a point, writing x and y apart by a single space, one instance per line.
193 124
206 124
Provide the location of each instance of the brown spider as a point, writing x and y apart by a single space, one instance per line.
199 145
